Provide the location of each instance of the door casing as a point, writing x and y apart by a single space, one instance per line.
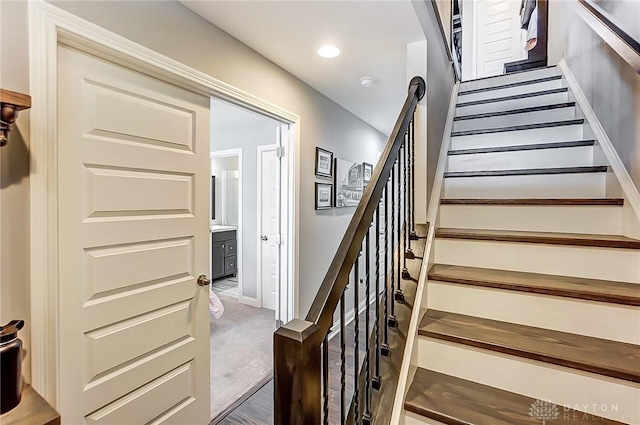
50 26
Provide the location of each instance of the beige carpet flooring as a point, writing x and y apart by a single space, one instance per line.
241 352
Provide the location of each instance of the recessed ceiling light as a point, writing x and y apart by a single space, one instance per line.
328 51
367 81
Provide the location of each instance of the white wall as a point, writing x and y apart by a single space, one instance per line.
14 178
173 30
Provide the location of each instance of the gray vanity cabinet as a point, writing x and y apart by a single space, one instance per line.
223 254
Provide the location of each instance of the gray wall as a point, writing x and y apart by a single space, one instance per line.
611 85
440 82
171 29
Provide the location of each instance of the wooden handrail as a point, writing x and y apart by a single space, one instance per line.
297 344
337 277
621 42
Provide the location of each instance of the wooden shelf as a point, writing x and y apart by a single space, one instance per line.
20 100
32 410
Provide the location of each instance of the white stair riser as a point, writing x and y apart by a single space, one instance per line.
579 185
508 138
575 316
596 263
515 119
516 160
506 105
538 380
510 91
411 418
571 219
509 78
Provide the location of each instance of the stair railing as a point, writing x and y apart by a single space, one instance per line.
620 41
303 391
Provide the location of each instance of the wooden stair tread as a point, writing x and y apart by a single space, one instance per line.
528 171
521 127
511 85
516 111
512 97
456 401
537 201
610 358
517 148
549 238
563 286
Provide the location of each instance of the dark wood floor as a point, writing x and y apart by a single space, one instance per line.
256 410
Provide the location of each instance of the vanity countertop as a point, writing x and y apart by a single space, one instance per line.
220 228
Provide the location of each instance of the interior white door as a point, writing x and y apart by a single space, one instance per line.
269 225
498 35
133 201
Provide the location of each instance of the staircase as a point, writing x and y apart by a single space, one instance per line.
531 312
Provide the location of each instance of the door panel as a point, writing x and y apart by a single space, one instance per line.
269 225
498 35
133 193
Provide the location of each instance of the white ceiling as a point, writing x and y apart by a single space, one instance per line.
371 34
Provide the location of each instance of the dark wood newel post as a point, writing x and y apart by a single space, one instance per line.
297 373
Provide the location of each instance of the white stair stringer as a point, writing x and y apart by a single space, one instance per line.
583 391
577 185
533 117
589 262
572 315
510 91
524 159
599 219
509 78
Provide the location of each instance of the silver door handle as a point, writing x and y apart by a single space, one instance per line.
264 238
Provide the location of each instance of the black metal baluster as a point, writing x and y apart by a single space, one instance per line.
376 381
384 348
366 417
392 322
343 363
399 295
408 253
413 236
356 341
325 380
410 199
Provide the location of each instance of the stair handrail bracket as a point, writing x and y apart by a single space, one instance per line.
297 344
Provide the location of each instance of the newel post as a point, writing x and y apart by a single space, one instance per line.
297 373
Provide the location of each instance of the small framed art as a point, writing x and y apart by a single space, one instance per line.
324 163
367 171
324 195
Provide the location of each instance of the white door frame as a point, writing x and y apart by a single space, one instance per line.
227 153
48 27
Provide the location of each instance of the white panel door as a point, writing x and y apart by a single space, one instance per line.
133 191
498 35
269 225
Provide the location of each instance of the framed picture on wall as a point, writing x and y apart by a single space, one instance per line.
367 171
348 182
324 195
324 163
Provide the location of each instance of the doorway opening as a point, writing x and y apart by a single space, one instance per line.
494 37
248 209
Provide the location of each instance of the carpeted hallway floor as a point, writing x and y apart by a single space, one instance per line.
241 352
